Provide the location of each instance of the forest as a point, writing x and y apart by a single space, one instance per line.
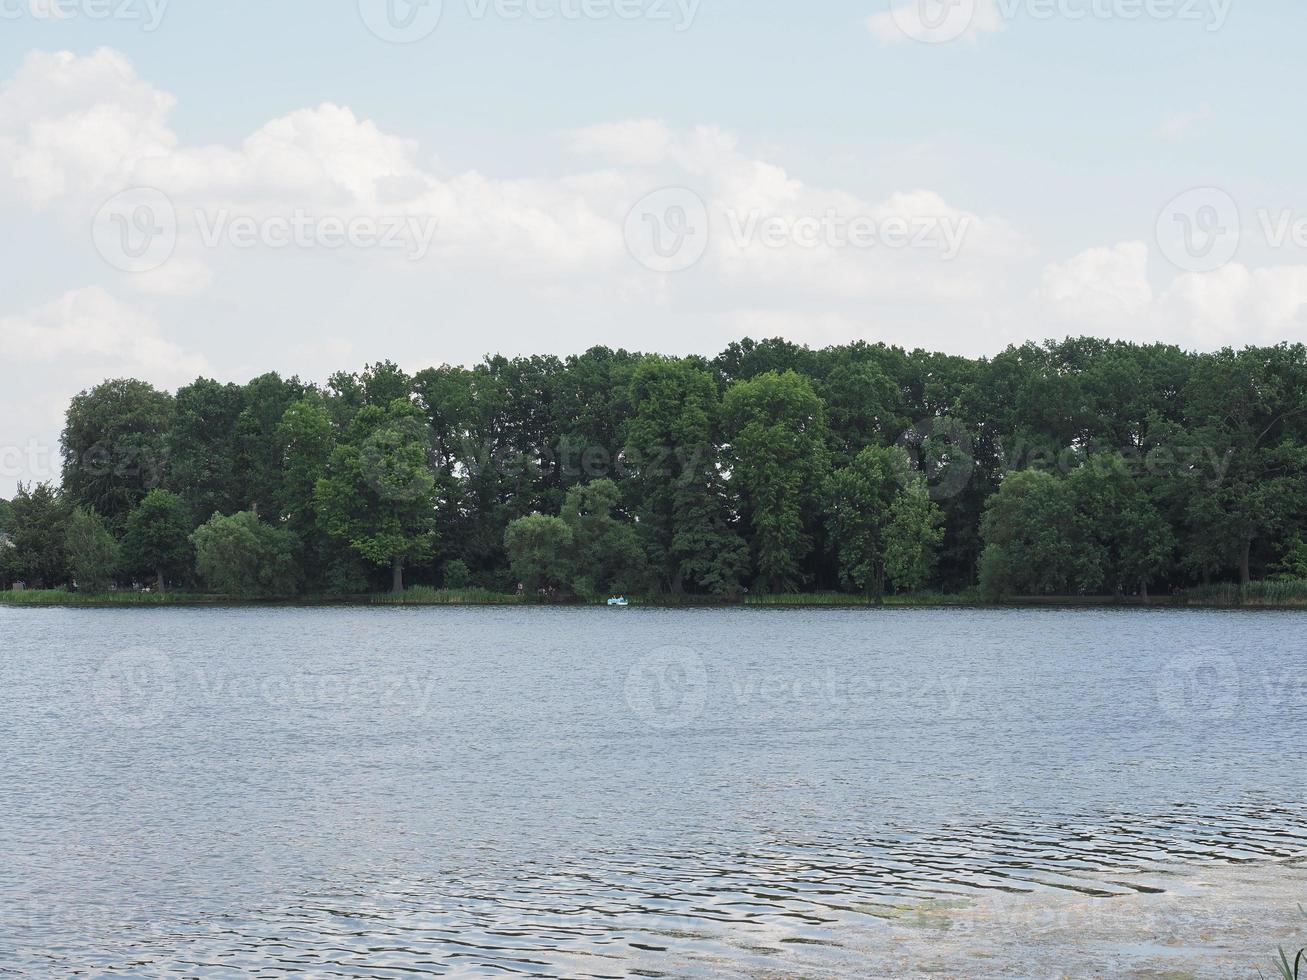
1073 468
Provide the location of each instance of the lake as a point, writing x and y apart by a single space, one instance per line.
607 792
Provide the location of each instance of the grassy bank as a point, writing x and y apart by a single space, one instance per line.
1259 595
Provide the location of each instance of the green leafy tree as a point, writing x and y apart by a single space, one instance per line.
242 555
92 551
115 447
1120 525
540 553
860 501
38 531
5 508
1031 543
1250 408
202 450
777 456
378 495
258 451
1293 563
606 553
673 467
157 540
457 575
913 537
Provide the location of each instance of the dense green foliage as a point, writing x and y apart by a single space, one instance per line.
1083 467
93 554
244 556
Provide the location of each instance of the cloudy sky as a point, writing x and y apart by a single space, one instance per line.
308 185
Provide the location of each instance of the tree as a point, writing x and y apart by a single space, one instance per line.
776 428
1119 523
913 537
1250 406
38 530
605 554
157 541
860 499
378 495
457 575
1031 545
92 551
673 467
258 463
5 508
1293 564
202 447
115 447
540 552
241 555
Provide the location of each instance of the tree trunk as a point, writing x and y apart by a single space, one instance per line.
397 576
1143 591
161 584
1245 563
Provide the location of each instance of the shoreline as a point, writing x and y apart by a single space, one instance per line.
39 599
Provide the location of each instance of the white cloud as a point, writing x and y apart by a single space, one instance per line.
1106 292
1101 284
1238 305
90 325
76 126
530 264
638 142
63 347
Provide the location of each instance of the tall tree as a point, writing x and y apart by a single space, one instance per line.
115 444
157 540
1120 524
860 502
673 465
378 495
606 554
202 447
913 537
776 431
1031 542
38 530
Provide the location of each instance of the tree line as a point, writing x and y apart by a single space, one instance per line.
1073 467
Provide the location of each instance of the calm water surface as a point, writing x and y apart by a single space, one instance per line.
343 792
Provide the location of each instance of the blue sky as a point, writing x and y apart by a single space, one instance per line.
1054 133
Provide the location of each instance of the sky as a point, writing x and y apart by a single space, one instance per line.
308 186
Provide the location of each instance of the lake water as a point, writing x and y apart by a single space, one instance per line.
596 792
